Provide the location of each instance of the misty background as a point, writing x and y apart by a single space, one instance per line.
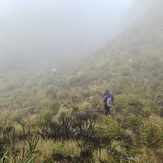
60 29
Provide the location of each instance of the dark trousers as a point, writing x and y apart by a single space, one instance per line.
107 109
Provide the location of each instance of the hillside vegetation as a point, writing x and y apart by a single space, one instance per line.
59 117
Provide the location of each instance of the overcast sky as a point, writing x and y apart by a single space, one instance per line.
58 27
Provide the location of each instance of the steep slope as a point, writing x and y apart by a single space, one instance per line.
60 109
130 63
135 56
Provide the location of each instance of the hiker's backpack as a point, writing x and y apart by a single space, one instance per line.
109 102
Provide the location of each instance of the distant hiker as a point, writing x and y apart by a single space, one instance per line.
54 72
108 101
54 69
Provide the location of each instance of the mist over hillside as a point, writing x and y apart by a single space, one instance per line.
57 29
60 30
139 48
59 115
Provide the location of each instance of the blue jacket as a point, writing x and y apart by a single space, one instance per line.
106 96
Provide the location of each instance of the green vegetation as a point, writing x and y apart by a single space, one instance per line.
59 119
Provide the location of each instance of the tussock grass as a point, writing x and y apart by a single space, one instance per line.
46 148
68 148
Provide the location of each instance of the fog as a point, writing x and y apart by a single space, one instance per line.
58 28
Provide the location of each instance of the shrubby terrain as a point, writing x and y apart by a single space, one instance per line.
47 117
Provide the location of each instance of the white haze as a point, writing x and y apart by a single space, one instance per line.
59 27
32 29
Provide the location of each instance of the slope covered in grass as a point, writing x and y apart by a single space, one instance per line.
61 112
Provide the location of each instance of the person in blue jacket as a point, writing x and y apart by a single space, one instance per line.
108 101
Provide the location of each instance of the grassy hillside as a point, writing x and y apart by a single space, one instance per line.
59 117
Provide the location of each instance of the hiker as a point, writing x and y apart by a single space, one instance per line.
54 69
108 101
54 72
